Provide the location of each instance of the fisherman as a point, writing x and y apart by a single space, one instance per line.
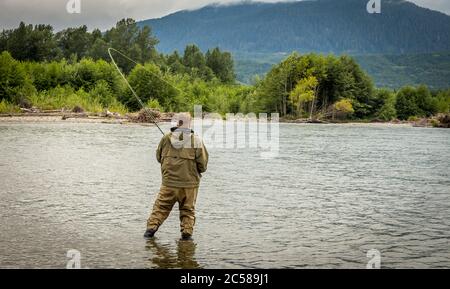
183 158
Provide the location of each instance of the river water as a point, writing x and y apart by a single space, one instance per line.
333 193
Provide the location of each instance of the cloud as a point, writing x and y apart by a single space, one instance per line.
439 5
101 14
104 14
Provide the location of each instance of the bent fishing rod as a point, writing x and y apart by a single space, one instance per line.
152 118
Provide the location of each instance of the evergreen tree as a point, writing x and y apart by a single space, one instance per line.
221 64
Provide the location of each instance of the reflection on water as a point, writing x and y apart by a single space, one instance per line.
164 258
333 193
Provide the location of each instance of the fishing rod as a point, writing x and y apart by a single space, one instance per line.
152 118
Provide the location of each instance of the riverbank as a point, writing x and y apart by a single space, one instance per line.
438 121
142 117
77 118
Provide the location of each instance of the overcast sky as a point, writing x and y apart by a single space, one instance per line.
104 14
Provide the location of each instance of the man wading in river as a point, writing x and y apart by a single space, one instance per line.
183 158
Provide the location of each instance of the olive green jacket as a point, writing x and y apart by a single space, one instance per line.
183 158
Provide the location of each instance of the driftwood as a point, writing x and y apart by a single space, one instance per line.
78 109
145 116
444 121
30 114
318 121
304 120
74 115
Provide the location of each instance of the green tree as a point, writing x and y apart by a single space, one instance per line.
337 78
4 35
28 43
146 44
358 86
425 101
175 63
47 75
195 63
74 41
96 34
149 84
19 40
12 78
136 43
102 92
99 49
415 101
87 73
221 64
406 105
305 91
387 101
443 101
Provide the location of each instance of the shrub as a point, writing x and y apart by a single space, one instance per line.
413 101
343 108
154 104
102 93
118 107
85 75
443 101
387 111
54 98
6 107
83 100
149 83
45 76
406 105
434 123
12 77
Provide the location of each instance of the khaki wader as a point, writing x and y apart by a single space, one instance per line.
167 197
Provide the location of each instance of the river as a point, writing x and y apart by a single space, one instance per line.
333 193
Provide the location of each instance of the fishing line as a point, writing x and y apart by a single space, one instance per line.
131 88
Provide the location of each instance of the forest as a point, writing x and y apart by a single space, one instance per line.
71 69
326 26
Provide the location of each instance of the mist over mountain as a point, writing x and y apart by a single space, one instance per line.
327 26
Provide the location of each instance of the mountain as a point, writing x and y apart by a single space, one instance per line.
405 44
328 26
394 71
